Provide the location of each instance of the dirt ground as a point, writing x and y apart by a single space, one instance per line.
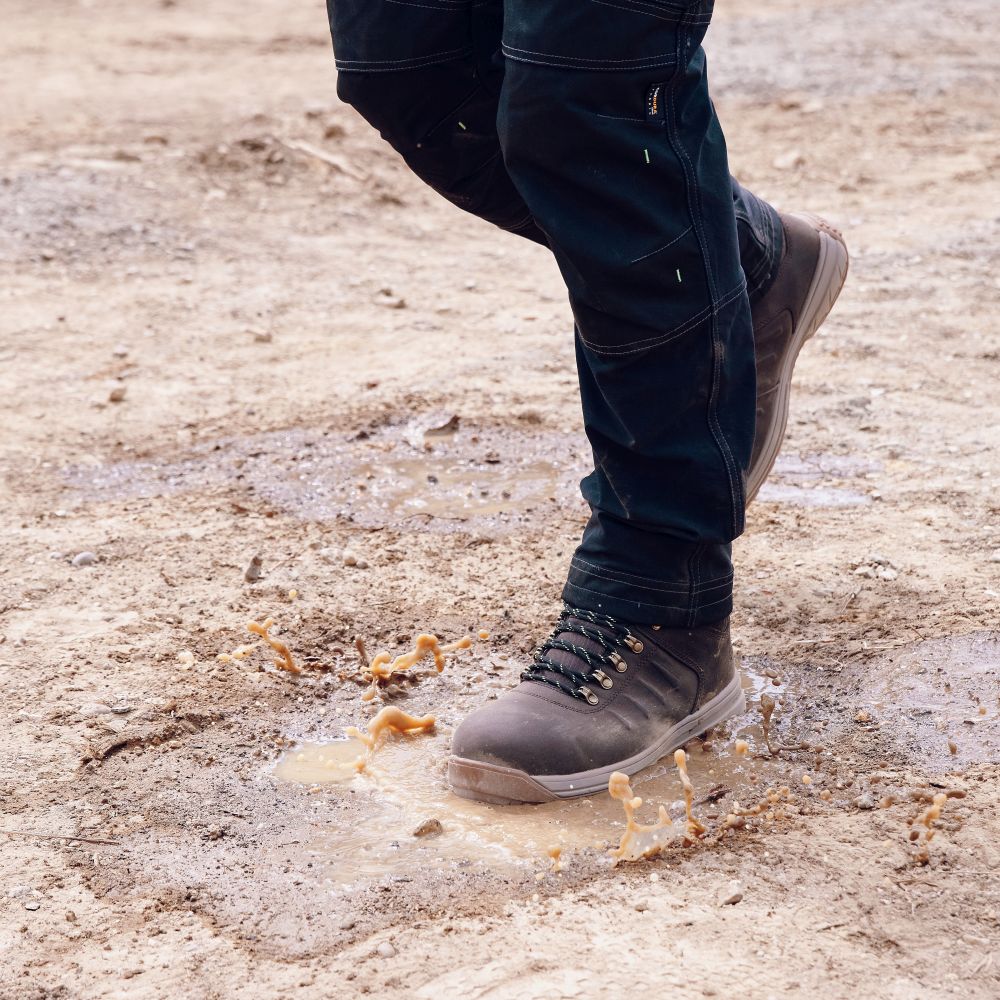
215 344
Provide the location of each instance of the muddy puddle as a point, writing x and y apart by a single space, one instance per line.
429 480
815 480
404 787
387 477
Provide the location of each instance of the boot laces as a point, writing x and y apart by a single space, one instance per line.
608 633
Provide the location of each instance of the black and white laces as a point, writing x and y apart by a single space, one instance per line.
603 630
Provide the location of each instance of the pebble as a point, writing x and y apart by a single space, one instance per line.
120 351
429 828
731 894
347 923
386 950
350 559
32 904
84 559
994 556
254 570
117 395
641 906
865 801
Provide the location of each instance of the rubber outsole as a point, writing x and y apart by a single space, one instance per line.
827 284
473 779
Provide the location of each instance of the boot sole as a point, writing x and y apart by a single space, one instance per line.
828 281
473 779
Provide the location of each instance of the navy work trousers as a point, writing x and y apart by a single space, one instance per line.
586 126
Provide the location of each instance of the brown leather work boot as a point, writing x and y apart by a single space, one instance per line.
601 696
811 273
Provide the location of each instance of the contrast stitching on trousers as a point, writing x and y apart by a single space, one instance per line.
445 6
648 579
692 592
646 345
694 202
619 118
388 65
640 62
652 253
650 604
637 7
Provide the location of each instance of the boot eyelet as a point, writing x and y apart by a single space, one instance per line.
634 644
603 679
589 695
619 664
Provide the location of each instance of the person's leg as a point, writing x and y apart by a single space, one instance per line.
610 136
426 74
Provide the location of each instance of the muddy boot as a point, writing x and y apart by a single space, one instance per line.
601 696
810 276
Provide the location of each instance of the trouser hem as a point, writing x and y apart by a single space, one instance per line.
675 605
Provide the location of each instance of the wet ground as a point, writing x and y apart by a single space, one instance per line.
215 346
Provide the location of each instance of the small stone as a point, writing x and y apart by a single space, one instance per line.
71 916
350 559
866 571
347 923
865 801
32 904
641 906
429 828
329 555
994 556
120 350
361 564
886 573
731 894
262 336
84 559
254 570
117 394
863 717
386 950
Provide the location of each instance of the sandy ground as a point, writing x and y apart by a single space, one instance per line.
284 332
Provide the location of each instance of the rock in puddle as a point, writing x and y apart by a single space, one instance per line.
429 828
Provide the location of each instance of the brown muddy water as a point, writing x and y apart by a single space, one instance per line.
935 705
434 481
404 785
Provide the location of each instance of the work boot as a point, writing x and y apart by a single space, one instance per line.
601 696
811 274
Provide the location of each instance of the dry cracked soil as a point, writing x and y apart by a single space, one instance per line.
215 344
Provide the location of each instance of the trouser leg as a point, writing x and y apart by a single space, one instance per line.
609 135
427 75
